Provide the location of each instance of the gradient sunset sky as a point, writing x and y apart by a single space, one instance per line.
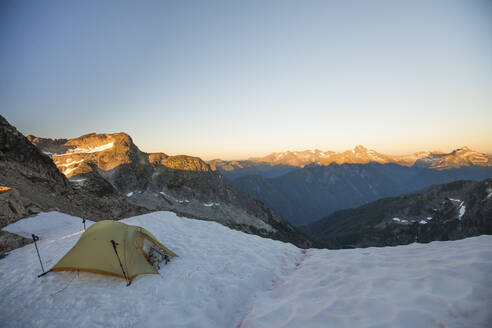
234 79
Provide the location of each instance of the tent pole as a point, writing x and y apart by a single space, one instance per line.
121 265
34 239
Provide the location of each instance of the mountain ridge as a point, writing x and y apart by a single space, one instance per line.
290 160
450 211
113 164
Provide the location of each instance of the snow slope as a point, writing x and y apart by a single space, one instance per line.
442 284
217 274
226 278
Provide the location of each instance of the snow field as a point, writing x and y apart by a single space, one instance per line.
441 284
212 283
226 278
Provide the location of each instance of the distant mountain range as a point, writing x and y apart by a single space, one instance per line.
443 212
111 164
304 186
277 164
360 155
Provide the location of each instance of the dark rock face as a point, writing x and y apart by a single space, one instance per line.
14 207
111 164
50 146
19 155
443 212
10 241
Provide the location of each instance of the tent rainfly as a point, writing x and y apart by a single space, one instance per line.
117 249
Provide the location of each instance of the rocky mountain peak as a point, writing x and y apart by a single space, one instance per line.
461 157
184 162
77 156
94 140
108 151
157 158
360 149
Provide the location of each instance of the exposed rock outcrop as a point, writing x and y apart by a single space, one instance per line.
14 207
10 241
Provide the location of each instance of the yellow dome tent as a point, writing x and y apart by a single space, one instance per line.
117 249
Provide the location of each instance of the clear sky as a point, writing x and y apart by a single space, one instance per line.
233 79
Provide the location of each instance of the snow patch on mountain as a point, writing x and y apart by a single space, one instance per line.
461 210
81 181
69 170
400 221
461 207
88 150
70 162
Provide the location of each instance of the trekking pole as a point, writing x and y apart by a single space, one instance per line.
83 221
36 238
121 265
